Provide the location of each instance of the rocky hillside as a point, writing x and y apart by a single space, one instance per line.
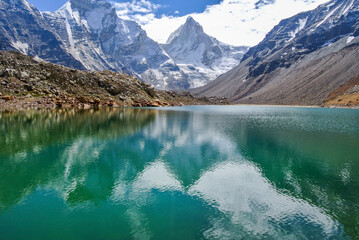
301 61
25 82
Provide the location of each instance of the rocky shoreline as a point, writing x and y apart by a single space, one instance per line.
29 83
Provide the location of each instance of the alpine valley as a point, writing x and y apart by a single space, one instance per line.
88 34
309 59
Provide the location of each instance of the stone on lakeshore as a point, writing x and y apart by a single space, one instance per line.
154 104
8 98
86 106
82 99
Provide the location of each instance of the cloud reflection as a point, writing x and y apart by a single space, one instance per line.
174 170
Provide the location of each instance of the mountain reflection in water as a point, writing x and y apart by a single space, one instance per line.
180 173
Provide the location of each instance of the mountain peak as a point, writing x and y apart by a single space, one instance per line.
188 30
191 22
199 55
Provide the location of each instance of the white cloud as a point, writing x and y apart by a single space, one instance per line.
128 9
236 22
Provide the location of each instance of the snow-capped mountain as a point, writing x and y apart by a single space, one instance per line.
99 39
200 56
23 29
301 61
88 34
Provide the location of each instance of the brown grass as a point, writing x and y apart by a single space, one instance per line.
342 90
344 100
340 97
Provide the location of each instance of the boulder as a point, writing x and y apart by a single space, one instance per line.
151 91
86 106
115 91
8 98
82 99
9 73
154 104
166 104
63 105
28 87
24 74
136 104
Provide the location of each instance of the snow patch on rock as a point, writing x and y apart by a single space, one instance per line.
22 47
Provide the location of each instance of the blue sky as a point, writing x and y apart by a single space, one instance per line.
236 22
47 5
168 7
181 7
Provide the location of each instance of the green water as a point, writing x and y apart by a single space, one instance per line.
180 173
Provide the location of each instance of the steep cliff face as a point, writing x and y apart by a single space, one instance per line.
199 55
301 61
98 38
23 28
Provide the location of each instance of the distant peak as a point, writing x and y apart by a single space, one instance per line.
189 28
192 25
190 20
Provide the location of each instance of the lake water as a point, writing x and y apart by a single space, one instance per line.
206 172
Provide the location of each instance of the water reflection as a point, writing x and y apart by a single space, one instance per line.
31 130
219 173
38 148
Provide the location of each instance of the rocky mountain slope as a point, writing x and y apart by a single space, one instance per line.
23 28
99 39
27 83
346 95
301 61
200 56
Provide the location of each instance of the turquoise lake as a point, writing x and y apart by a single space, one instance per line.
196 172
